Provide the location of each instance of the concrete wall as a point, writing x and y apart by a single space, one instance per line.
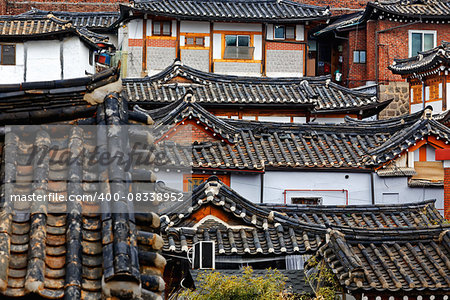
237 68
159 58
198 59
282 63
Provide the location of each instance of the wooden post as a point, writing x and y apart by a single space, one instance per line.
144 45
211 38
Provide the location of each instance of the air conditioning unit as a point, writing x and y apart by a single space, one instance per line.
204 255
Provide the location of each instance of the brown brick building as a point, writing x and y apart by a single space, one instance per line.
13 7
368 43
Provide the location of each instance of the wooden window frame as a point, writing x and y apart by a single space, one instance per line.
250 46
195 37
1 54
284 38
161 26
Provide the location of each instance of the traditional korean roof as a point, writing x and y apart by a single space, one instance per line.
319 93
37 102
259 146
415 262
409 9
226 10
265 229
341 23
427 62
43 27
96 21
295 281
76 250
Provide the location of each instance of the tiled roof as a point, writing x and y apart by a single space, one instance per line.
425 62
341 23
267 229
318 93
427 9
260 145
90 20
411 261
226 10
36 102
295 282
77 250
25 26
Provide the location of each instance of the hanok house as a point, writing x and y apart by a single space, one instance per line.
428 78
285 236
38 48
271 162
388 30
299 100
100 22
244 37
74 250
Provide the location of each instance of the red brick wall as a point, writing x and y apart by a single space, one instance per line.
337 4
284 46
13 7
193 132
170 43
392 44
447 193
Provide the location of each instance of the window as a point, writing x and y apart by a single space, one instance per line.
192 41
238 47
8 54
283 32
420 41
359 57
162 28
306 200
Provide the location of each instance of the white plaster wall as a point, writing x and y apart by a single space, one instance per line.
257 43
171 179
217 46
358 185
194 27
328 120
247 185
299 119
274 119
76 58
416 107
43 60
135 29
237 26
13 74
437 106
300 33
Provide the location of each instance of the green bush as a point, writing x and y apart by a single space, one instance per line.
215 286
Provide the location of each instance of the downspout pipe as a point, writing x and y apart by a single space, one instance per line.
377 46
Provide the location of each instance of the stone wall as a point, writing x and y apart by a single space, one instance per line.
284 62
399 91
134 63
237 68
159 58
198 59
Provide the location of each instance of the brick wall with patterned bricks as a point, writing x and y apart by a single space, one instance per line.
13 7
192 132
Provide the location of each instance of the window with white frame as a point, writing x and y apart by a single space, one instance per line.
359 57
238 47
421 40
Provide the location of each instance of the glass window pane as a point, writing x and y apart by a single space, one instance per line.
166 28
279 31
290 32
356 56
416 43
199 41
362 57
428 41
190 41
8 55
231 40
243 41
156 28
